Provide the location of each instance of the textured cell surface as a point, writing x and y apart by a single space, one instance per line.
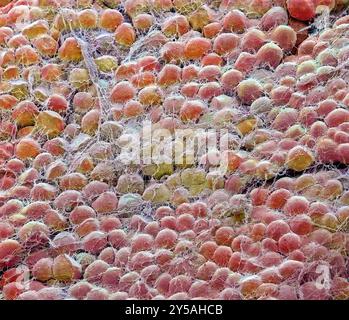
165 149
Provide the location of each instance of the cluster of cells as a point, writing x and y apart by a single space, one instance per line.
80 79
